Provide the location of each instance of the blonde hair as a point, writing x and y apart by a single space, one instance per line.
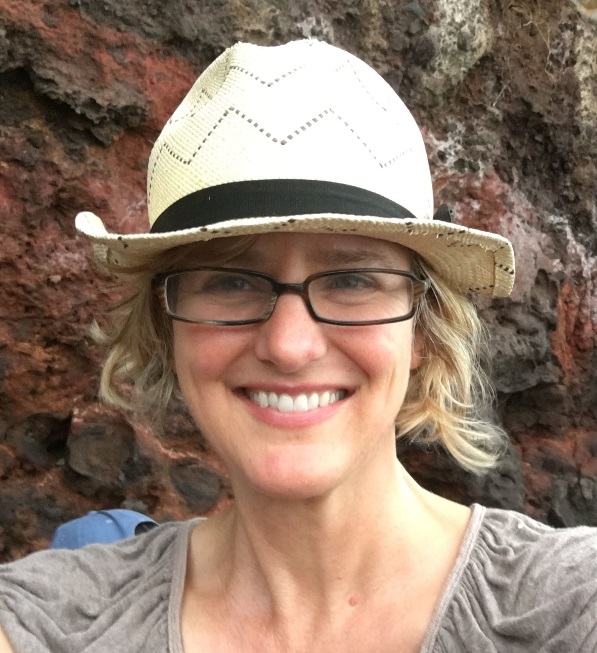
450 393
446 397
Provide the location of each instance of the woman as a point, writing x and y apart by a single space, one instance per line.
297 291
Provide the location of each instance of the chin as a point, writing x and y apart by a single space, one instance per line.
291 492
294 479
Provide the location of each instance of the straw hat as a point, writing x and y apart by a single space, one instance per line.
302 137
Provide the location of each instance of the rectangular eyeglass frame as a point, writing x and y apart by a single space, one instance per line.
279 288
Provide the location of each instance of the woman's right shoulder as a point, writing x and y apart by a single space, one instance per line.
67 600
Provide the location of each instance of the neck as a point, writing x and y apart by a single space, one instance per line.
316 555
320 544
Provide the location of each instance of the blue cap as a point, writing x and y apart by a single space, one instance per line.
100 526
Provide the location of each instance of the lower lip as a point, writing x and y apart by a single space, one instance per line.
290 420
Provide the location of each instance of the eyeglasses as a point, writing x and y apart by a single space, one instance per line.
227 296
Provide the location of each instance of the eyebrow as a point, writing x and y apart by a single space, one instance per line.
365 257
330 258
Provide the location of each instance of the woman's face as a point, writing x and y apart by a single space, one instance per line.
223 371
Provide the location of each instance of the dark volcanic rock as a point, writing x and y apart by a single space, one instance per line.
199 486
40 439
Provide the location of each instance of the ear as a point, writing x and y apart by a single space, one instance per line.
418 350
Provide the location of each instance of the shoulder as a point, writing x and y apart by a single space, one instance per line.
531 551
64 600
525 586
520 533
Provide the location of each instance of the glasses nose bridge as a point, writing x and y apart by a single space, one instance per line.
300 289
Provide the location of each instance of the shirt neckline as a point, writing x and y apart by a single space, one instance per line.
179 572
466 548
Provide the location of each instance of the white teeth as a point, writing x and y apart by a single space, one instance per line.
285 403
299 404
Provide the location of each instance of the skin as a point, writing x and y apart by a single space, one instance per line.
5 646
328 537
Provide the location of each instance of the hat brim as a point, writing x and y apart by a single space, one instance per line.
468 259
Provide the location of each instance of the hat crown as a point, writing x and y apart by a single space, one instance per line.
304 110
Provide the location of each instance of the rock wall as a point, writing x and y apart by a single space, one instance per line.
507 93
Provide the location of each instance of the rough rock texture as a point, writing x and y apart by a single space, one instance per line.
507 93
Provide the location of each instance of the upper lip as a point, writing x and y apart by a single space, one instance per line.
295 389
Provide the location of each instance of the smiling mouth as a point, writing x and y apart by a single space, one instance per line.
301 403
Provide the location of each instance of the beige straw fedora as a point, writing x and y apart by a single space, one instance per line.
302 137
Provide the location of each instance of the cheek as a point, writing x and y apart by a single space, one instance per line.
384 352
204 355
194 359
198 366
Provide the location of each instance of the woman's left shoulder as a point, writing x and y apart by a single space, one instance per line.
520 539
544 579
524 586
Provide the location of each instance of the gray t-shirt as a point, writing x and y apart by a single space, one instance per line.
517 585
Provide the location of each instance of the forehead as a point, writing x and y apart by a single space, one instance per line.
325 249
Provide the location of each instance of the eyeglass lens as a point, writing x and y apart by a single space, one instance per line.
232 296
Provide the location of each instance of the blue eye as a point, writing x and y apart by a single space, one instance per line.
350 281
223 282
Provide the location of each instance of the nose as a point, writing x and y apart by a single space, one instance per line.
290 338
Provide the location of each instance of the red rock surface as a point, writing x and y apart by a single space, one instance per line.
507 94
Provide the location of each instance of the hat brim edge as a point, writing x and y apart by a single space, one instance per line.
434 240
